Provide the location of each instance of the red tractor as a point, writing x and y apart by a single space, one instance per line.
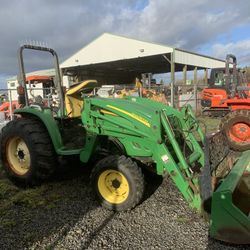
228 95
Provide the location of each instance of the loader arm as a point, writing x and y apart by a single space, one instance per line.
147 133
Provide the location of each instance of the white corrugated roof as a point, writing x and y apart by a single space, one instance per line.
108 47
194 59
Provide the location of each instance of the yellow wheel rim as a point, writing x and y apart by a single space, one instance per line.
113 186
18 155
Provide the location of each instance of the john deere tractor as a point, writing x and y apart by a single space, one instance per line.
127 135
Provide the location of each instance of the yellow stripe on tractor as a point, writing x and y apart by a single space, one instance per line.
134 116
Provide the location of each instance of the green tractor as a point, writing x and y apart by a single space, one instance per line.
128 135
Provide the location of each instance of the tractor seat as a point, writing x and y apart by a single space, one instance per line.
73 100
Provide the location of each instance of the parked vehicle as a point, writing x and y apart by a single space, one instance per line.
126 135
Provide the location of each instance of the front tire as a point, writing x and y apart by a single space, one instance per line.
118 182
236 127
27 153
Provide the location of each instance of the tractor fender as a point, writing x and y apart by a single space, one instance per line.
46 118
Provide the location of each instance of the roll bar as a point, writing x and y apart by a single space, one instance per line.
22 74
231 86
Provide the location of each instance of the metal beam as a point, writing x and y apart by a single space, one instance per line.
149 80
166 58
195 88
184 74
172 78
195 76
205 76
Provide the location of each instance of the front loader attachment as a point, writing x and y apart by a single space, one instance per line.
171 142
230 215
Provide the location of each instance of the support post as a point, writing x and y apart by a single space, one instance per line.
172 78
205 76
144 80
149 80
195 89
185 74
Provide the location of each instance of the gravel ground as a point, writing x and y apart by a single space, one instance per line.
64 214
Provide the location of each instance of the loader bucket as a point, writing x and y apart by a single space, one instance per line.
230 215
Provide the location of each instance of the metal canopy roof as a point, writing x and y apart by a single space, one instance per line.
112 54
155 64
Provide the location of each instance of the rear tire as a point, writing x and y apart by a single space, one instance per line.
236 127
118 182
27 152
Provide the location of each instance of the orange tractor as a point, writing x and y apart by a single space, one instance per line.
40 92
228 96
6 108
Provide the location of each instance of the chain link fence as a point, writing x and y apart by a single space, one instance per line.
189 94
9 101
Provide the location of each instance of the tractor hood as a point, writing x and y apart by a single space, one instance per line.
142 116
133 107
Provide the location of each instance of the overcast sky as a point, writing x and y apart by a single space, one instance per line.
211 27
